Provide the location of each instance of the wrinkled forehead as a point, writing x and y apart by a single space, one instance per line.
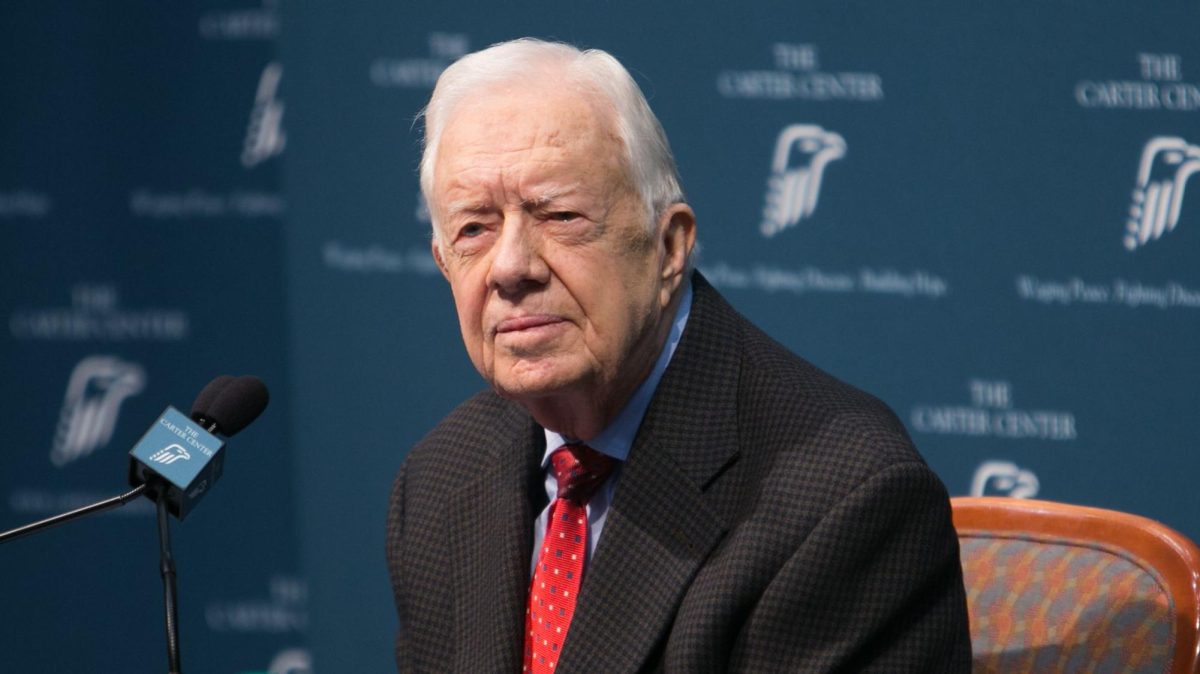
532 82
520 118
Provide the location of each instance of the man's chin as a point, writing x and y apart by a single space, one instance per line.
530 387
528 391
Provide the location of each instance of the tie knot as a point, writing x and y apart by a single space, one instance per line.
580 470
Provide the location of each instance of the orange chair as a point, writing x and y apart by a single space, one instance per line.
1061 588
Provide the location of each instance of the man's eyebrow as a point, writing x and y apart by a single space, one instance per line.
476 207
467 206
546 196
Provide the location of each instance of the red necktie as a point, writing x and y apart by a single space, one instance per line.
580 470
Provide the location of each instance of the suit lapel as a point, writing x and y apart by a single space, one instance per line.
493 541
660 528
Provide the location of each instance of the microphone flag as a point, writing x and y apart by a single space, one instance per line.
186 459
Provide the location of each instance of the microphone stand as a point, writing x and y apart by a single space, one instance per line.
166 560
86 510
170 606
243 397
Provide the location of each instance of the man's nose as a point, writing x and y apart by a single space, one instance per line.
518 263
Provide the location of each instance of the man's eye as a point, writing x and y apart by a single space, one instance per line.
564 216
471 231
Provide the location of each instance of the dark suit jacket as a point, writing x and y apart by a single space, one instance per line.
769 518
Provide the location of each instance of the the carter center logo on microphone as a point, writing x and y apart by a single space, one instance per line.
1167 163
801 154
170 454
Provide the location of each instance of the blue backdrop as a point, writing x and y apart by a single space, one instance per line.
979 212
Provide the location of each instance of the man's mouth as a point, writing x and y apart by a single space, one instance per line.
519 323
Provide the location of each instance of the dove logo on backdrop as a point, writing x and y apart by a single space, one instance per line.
170 454
1004 478
95 391
264 134
801 154
1167 163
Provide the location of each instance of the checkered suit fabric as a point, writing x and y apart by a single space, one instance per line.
769 519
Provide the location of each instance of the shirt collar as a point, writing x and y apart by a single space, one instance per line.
617 438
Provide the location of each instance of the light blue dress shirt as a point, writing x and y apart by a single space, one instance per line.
615 440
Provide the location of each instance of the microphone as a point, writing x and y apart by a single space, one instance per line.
180 458
208 394
175 464
229 404
226 405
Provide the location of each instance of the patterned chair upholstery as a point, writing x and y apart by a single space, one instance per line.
1061 588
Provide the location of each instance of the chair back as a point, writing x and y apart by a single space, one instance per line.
1053 587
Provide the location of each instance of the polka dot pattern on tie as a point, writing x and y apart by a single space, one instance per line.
579 471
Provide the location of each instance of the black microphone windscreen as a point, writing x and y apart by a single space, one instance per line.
209 393
238 403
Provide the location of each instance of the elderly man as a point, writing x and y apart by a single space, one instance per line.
651 483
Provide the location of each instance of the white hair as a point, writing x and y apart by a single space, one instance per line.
646 152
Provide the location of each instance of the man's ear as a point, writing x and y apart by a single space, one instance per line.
677 227
436 249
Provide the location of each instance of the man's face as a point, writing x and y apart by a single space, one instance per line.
559 287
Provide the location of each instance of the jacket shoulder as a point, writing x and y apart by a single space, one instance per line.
475 426
791 414
790 397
